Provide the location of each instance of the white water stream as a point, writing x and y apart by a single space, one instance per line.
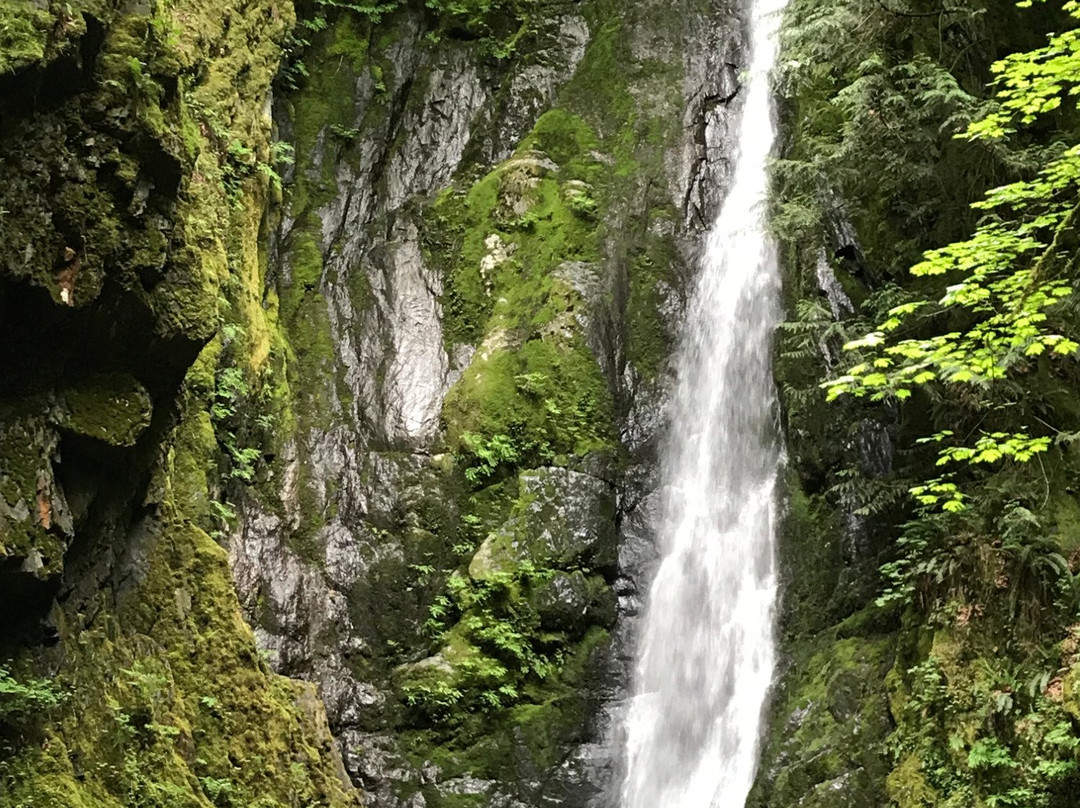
706 654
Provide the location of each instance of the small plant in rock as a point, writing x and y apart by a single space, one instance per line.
220 790
223 515
373 10
22 699
433 696
231 393
488 454
346 133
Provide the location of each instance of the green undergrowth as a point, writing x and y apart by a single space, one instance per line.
982 604
994 662
552 711
519 241
501 633
978 725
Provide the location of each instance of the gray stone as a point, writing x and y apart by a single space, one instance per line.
564 601
563 518
369 465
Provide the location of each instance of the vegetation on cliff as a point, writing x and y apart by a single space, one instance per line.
134 149
972 357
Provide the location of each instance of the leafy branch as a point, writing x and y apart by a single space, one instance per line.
1012 277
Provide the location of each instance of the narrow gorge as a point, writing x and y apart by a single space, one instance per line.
520 403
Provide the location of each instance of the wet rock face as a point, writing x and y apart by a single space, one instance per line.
566 519
480 266
830 725
134 148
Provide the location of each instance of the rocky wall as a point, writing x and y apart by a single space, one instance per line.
478 271
134 139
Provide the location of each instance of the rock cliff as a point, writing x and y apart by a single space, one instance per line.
335 345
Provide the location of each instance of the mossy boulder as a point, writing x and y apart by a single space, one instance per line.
561 518
571 601
114 409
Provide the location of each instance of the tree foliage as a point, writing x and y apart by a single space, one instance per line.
1005 304
480 18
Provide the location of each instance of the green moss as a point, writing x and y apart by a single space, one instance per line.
507 233
24 32
600 87
908 787
154 715
305 320
307 389
517 241
651 274
634 137
549 399
350 39
323 105
532 733
155 192
111 408
566 139
830 723
193 468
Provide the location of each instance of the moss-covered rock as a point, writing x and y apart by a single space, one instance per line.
125 227
24 32
561 518
35 527
830 725
114 409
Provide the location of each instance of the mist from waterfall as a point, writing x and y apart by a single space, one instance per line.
707 650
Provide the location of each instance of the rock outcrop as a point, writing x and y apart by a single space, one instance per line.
134 140
479 266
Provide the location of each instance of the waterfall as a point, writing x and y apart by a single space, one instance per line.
706 654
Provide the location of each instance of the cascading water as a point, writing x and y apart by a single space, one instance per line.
707 652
